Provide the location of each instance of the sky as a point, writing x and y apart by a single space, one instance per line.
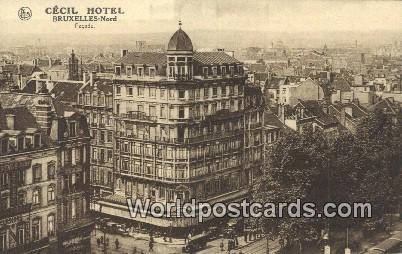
257 15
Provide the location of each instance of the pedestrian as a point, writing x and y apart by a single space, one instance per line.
98 241
151 246
135 250
222 245
116 242
101 239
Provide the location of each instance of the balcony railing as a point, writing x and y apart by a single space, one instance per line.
75 223
137 115
13 211
35 245
168 140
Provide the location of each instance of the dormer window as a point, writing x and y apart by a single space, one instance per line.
205 71
214 71
231 70
129 71
117 70
140 71
223 70
152 72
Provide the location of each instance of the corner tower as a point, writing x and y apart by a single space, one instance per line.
180 56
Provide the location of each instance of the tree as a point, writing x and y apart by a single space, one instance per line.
293 170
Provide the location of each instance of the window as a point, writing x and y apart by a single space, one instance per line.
50 193
152 110
182 94
50 225
36 196
109 136
22 197
152 72
163 112
152 92
3 240
110 155
37 140
231 70
4 202
140 71
21 143
140 91
223 70
51 170
214 92
223 91
129 71
206 92
181 112
73 129
20 234
118 90
117 70
214 71
130 91
37 173
36 229
4 180
205 71
162 93
171 71
172 94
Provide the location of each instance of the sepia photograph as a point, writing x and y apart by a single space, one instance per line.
210 127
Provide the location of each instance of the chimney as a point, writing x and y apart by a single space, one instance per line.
342 118
325 106
10 118
124 52
281 112
91 78
84 77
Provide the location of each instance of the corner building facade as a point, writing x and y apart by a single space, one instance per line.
180 129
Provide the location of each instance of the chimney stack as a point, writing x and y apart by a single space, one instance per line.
10 118
91 78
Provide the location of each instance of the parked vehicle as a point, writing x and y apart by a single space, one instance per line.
197 242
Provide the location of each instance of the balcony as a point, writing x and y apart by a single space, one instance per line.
28 247
73 224
137 115
16 210
168 140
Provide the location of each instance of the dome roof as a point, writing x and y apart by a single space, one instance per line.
180 42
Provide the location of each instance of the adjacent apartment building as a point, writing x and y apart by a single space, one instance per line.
44 175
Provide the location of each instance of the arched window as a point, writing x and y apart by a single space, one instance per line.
50 193
51 170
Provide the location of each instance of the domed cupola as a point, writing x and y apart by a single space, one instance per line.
180 56
180 42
